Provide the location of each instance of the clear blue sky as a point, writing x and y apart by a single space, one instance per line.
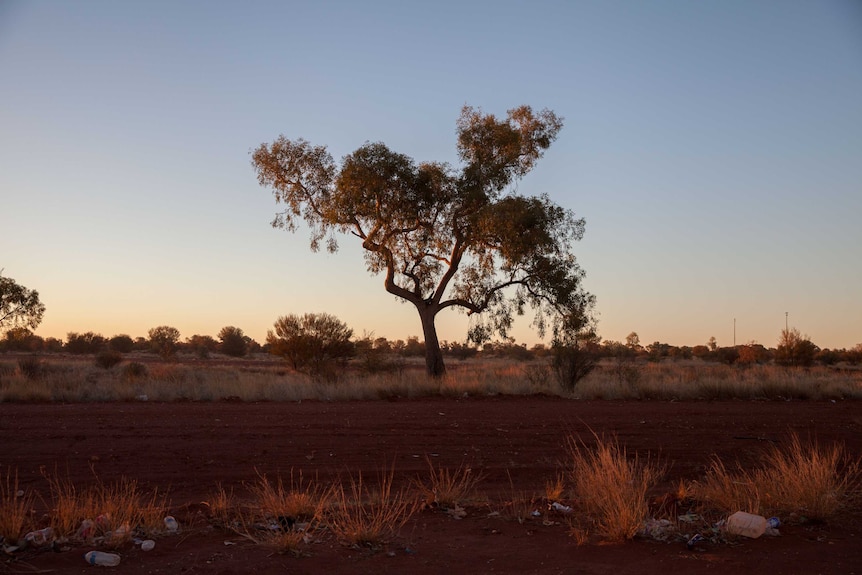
714 148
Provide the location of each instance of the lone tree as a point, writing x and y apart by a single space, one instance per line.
313 343
164 340
445 237
19 306
233 341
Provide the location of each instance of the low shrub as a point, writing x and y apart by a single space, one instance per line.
108 359
135 370
30 367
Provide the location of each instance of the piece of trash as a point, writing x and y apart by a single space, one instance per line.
494 514
40 538
19 493
746 524
148 545
171 524
536 513
229 543
561 508
698 538
688 517
658 529
101 558
86 530
456 512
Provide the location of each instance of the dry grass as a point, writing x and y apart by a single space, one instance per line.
280 515
800 478
79 380
15 508
727 491
555 488
446 488
696 380
611 486
114 510
369 518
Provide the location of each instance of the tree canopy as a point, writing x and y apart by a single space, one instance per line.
444 237
19 306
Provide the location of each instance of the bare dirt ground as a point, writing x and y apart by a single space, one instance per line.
519 444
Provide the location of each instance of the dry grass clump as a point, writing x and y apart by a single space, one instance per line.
611 486
111 511
447 488
15 508
367 517
280 515
800 478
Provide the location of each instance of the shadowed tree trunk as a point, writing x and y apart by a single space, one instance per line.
433 355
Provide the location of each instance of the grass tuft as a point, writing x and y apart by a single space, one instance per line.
446 488
365 518
800 478
611 486
113 511
15 508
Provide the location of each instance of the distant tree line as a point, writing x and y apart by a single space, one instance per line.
315 342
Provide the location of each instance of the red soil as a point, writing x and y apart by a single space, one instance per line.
518 443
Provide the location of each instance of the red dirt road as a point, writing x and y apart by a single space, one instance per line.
518 443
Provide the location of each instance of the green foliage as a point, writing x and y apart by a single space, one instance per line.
460 351
413 347
794 349
315 344
571 363
81 343
727 355
233 341
108 359
21 339
164 340
202 345
121 343
444 238
19 306
375 355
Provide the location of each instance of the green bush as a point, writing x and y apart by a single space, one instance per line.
108 359
135 370
316 344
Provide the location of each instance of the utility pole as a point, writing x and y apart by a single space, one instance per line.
785 321
734 332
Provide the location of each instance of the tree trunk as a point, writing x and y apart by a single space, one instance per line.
433 355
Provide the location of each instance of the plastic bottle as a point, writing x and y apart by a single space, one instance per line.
148 545
746 524
171 524
40 538
101 558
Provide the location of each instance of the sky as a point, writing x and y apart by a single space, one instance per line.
714 149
